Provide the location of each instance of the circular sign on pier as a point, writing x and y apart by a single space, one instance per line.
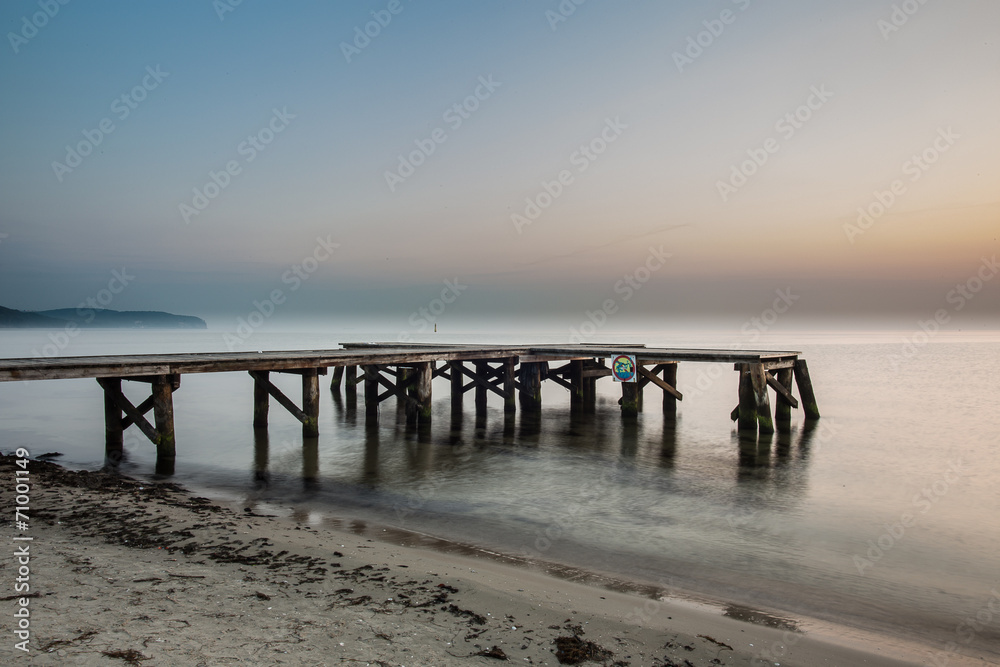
623 368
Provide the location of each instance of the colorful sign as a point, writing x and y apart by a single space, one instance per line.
623 368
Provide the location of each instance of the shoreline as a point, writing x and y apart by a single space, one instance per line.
148 573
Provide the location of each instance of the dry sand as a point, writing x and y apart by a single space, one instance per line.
132 572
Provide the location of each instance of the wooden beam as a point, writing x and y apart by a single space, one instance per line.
142 409
337 379
576 386
482 370
285 402
420 391
113 391
559 381
781 390
660 383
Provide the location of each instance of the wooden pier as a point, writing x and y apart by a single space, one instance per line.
405 372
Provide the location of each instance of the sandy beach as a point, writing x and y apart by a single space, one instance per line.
127 571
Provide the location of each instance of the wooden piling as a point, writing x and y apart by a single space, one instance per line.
114 441
804 383
457 384
530 395
338 376
509 384
420 391
261 399
758 377
669 400
371 391
576 380
163 415
482 370
747 418
310 402
630 399
782 408
350 385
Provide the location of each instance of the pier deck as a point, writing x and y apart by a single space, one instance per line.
405 371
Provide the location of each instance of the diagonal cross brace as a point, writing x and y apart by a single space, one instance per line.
133 415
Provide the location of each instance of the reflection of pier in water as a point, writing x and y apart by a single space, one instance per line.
406 373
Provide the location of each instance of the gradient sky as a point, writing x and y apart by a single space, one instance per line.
888 95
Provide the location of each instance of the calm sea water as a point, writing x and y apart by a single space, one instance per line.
883 516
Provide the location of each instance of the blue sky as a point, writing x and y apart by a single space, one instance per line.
890 87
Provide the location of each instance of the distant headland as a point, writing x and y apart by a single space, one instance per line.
96 318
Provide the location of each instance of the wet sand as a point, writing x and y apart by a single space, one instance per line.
132 572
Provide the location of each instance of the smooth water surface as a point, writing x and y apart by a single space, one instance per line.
883 515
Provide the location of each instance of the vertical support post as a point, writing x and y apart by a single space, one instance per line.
402 405
482 368
531 386
310 402
371 391
761 401
806 394
351 385
638 388
782 408
261 455
630 399
669 400
576 380
310 462
509 375
114 441
589 386
338 376
163 414
261 400
420 390
747 420
457 382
